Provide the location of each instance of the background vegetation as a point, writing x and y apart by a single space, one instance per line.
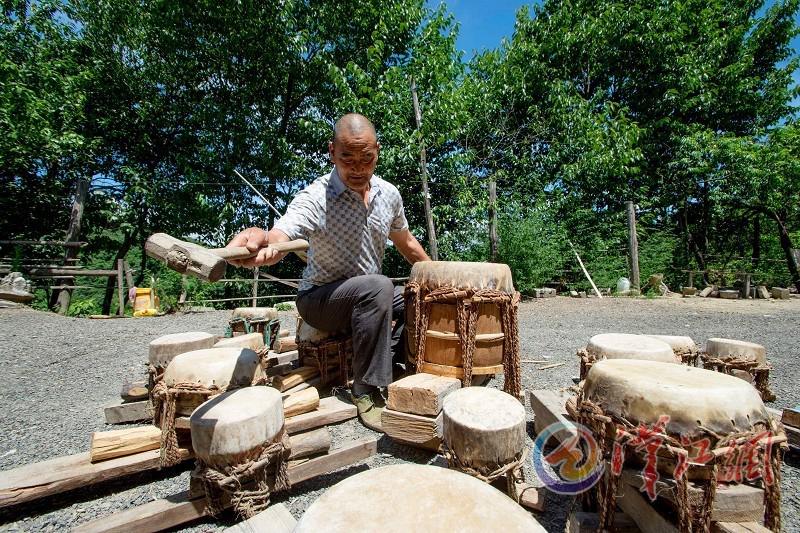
681 106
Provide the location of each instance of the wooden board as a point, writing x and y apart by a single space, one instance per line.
636 506
531 497
121 442
791 416
548 407
414 430
301 402
125 413
458 372
291 379
285 344
420 394
276 519
181 508
738 527
275 358
61 474
732 503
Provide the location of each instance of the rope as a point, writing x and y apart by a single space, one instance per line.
759 372
247 484
488 474
319 355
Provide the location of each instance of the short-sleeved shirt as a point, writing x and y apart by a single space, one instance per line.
346 238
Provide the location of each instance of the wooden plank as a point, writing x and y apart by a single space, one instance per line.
581 522
285 344
639 509
732 503
330 411
133 391
310 443
313 382
531 497
125 413
120 297
301 402
180 509
275 358
276 519
548 407
791 416
738 527
54 476
420 394
414 430
300 375
120 442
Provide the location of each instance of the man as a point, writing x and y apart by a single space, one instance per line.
346 216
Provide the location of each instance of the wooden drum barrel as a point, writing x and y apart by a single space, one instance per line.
409 498
461 320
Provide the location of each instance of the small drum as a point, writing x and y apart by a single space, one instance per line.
413 498
683 347
263 320
624 346
253 341
241 448
194 377
705 421
331 353
166 347
461 320
484 434
745 360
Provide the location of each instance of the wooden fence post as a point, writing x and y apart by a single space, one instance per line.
120 296
255 287
633 247
493 220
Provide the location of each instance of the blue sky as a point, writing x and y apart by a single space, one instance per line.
484 24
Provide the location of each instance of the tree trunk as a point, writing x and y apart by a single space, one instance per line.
62 297
756 240
786 244
424 174
493 221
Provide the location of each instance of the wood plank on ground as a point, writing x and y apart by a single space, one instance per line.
738 527
414 430
275 519
120 412
304 373
120 442
548 407
61 474
631 501
181 508
420 394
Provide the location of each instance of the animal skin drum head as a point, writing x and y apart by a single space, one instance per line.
736 349
462 275
678 343
218 367
641 391
415 498
628 346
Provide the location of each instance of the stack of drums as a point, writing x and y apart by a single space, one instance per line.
742 359
241 447
262 320
193 377
683 347
684 423
330 352
461 320
624 346
166 347
484 435
409 498
253 341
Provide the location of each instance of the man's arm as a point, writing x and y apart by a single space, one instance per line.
408 246
257 239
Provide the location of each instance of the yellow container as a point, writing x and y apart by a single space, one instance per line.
145 299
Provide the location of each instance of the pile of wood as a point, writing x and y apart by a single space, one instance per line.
413 413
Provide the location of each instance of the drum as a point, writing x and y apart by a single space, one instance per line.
461 320
192 378
253 341
686 423
330 352
414 498
624 346
241 448
745 360
166 347
484 434
683 347
263 320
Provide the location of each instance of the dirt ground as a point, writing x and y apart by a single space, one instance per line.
58 373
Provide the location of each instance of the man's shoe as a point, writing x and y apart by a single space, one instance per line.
369 410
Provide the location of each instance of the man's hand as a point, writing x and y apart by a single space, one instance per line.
257 240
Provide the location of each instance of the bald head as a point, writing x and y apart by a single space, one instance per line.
353 125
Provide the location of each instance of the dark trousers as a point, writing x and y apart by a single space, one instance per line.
365 306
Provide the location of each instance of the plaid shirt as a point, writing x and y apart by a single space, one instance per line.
346 238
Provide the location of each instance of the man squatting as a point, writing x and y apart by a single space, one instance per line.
346 216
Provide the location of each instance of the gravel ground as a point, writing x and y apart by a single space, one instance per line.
58 373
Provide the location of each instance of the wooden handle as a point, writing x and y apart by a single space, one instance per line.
240 252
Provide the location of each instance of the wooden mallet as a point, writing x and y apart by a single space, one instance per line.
204 263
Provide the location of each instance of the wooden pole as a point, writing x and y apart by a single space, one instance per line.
424 174
586 273
633 246
255 287
493 220
120 296
64 296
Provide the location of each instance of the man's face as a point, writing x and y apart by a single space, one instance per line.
355 156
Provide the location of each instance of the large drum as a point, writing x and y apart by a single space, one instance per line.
461 320
746 360
683 347
192 378
484 434
624 346
165 348
409 498
241 448
682 421
330 352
